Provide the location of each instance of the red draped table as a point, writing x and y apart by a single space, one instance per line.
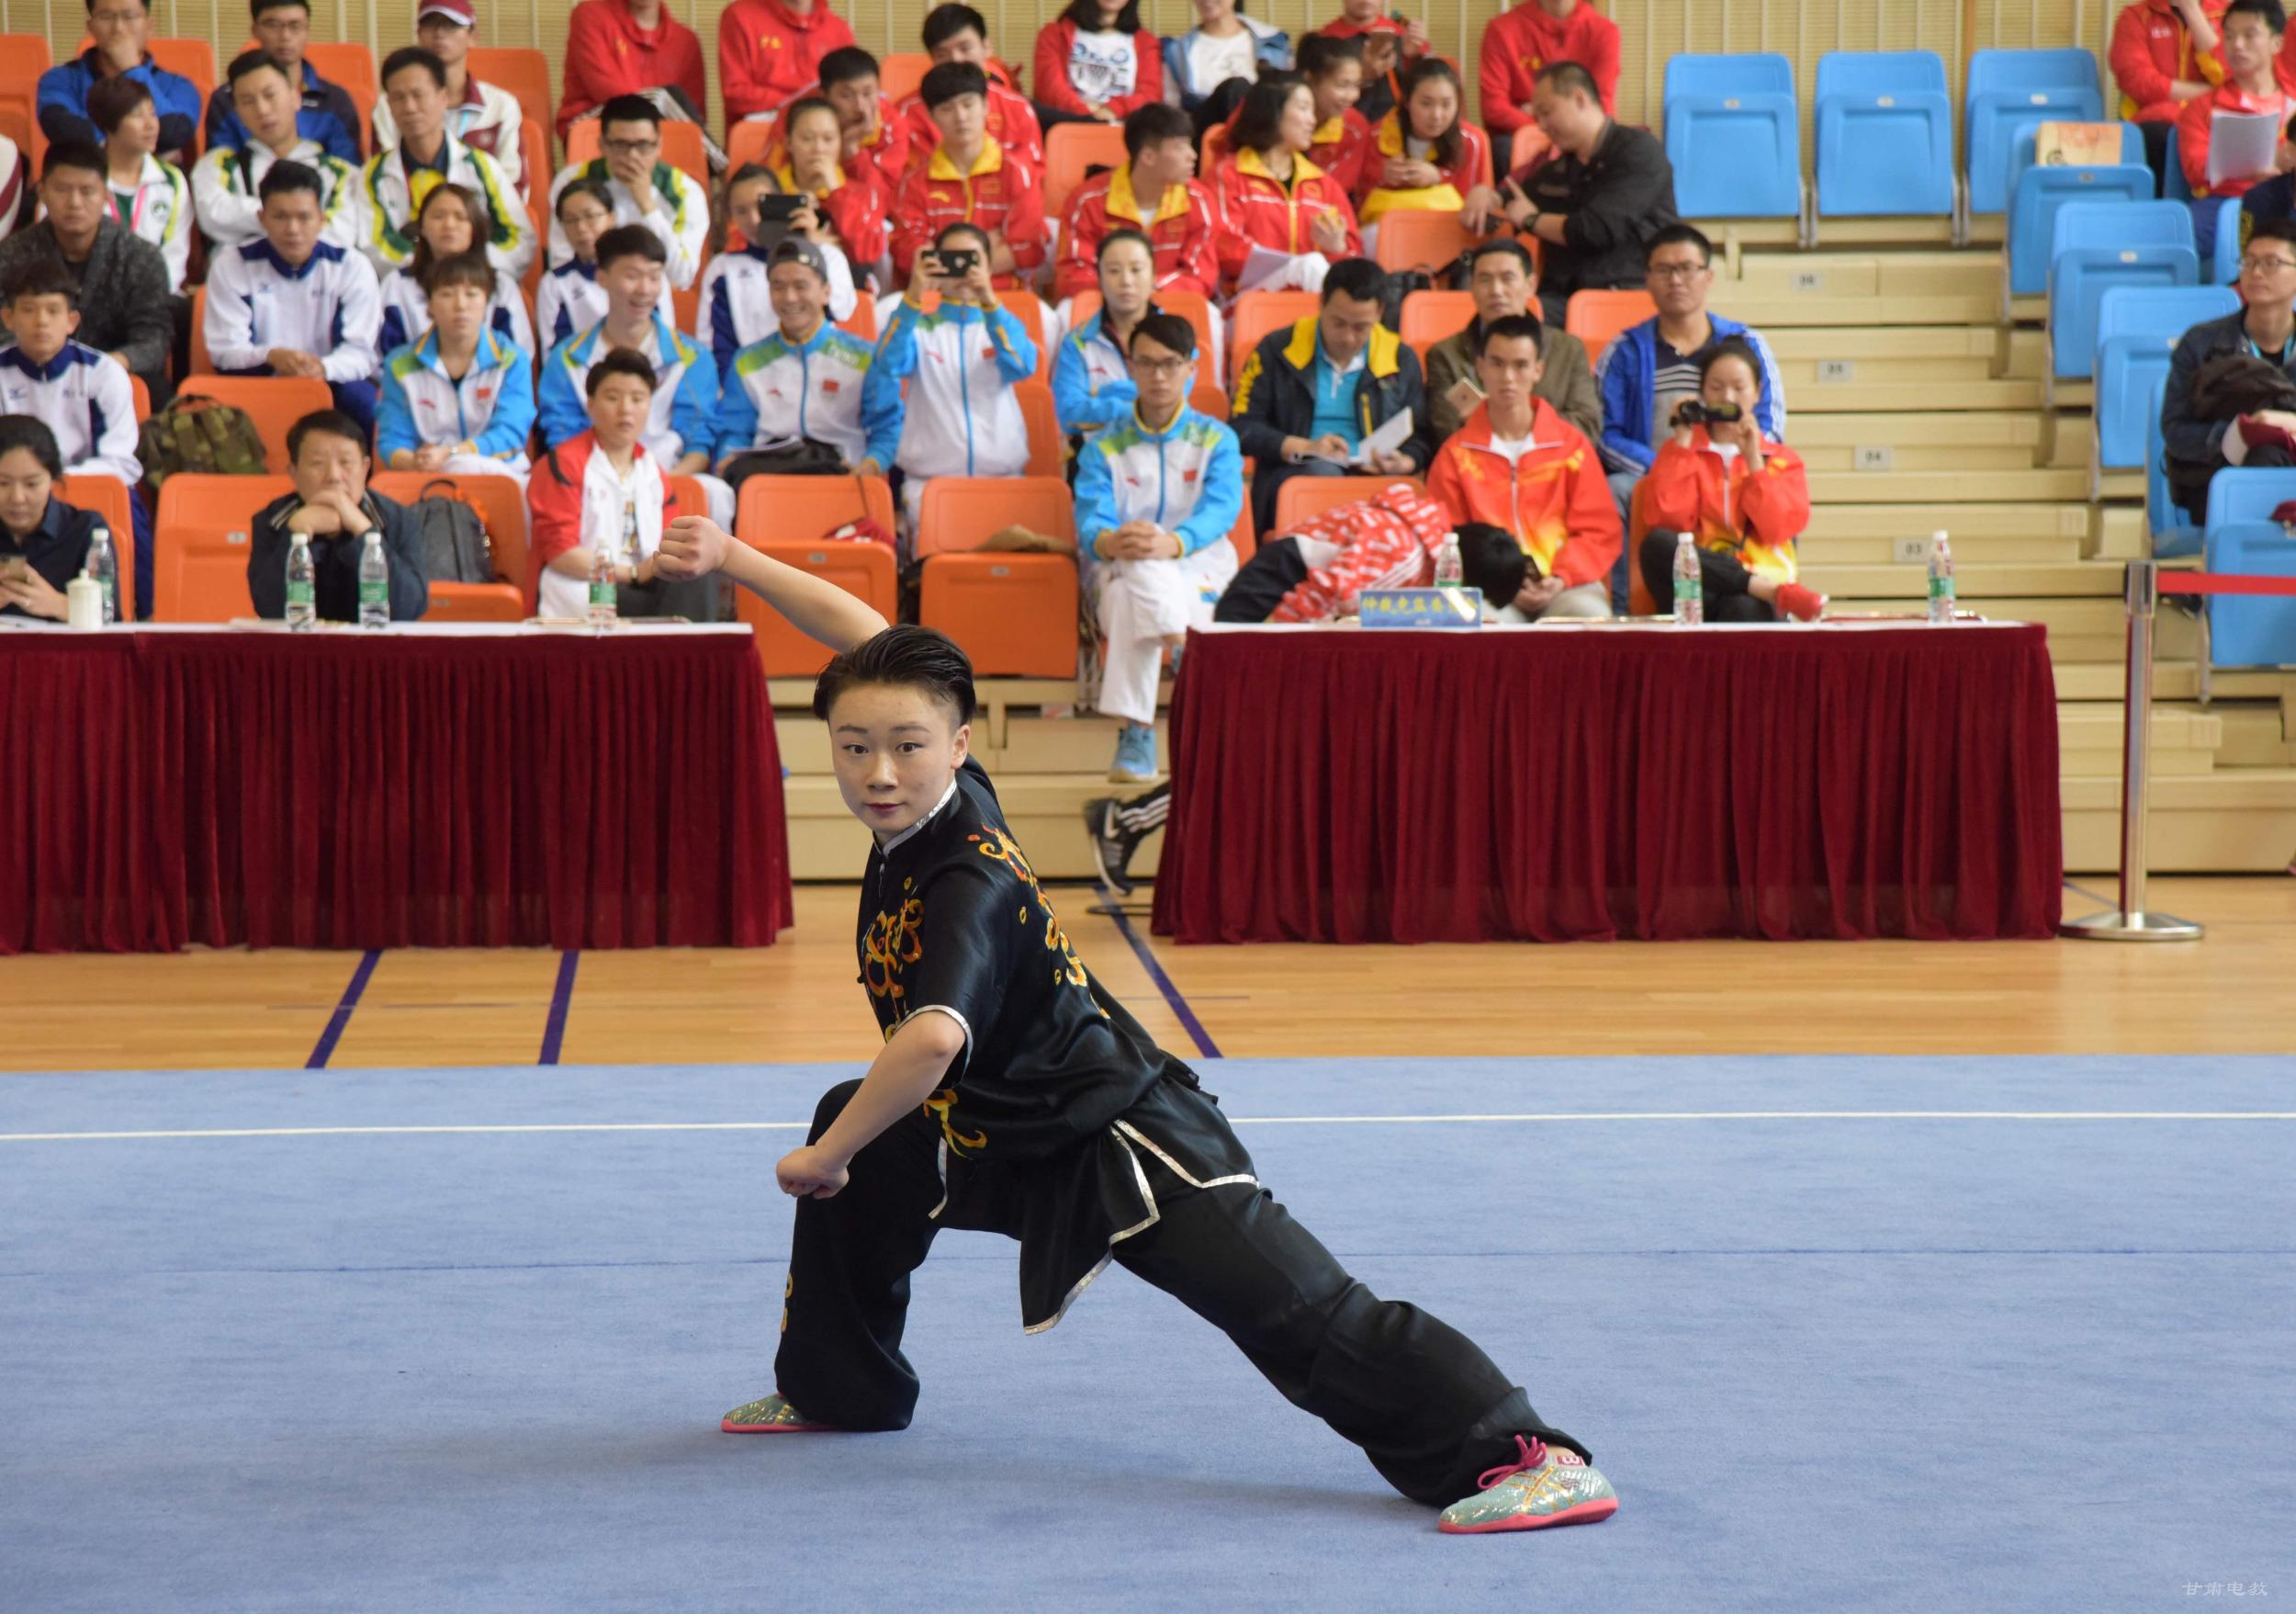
429 786
1590 783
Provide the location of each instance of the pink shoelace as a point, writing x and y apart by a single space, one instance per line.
1533 1451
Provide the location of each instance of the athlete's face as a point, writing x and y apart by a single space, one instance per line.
895 748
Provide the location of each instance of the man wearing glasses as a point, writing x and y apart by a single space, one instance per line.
2201 443
1156 497
120 29
1647 371
666 199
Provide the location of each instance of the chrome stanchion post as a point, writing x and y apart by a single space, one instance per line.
2130 922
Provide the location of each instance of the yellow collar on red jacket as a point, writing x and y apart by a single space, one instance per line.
1252 163
1331 130
1121 201
990 160
1299 352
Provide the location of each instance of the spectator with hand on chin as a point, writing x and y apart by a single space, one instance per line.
960 417
121 30
333 505
1156 497
666 199
843 212
1743 499
1309 396
459 398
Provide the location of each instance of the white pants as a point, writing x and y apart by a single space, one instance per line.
1140 604
480 465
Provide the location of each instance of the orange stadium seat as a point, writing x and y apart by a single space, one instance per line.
1303 498
1071 149
273 402
352 67
1242 536
525 73
1015 614
1413 238
200 544
681 147
1595 317
142 395
900 73
1430 317
1035 318
500 504
1048 448
108 497
789 518
23 58
533 151
685 307
1638 600
1209 399
1258 313
746 142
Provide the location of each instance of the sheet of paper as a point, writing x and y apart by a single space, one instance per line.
2241 144
1386 439
1263 267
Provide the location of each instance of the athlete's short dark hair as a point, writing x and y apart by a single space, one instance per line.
915 657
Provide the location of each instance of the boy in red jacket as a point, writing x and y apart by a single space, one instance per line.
955 32
1156 193
625 48
970 179
770 49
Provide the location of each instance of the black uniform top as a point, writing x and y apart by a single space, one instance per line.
1612 203
57 548
1059 1091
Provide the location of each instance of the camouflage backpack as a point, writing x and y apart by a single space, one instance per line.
197 433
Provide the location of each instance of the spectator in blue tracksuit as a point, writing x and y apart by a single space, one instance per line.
120 28
327 115
1092 377
1649 370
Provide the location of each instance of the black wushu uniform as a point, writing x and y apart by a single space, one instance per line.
1066 1127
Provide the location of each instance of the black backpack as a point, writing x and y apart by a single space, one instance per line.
453 536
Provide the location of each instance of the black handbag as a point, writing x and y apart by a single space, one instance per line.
804 457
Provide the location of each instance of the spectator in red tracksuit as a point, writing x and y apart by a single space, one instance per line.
1095 61
1271 197
970 179
2251 36
1426 157
1334 70
1153 193
769 50
955 32
2163 54
625 48
1391 43
877 145
1521 42
852 207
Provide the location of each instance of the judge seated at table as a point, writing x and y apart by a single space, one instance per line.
1743 499
1517 464
43 541
327 463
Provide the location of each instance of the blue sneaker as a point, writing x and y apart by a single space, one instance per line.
1135 760
1549 1486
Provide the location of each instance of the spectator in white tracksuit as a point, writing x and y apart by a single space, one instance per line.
393 181
807 380
227 184
736 304
294 305
1156 497
959 415
645 190
446 226
458 400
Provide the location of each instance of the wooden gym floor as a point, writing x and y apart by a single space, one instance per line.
797 1000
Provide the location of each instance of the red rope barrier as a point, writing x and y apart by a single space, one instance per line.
2210 582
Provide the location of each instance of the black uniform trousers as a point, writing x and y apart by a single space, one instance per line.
1426 1406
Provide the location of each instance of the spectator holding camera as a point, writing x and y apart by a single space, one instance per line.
1742 497
959 417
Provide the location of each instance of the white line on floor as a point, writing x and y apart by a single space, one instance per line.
53 1137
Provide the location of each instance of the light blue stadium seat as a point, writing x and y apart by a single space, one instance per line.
2174 536
2173 186
2008 93
1885 134
2137 327
2037 192
2224 254
2099 244
2242 539
1734 136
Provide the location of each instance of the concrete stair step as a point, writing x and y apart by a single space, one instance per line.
2046 527
1808 395
1852 273
1943 488
1978 586
1911 428
1762 311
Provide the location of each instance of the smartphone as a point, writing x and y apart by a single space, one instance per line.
15 568
1464 395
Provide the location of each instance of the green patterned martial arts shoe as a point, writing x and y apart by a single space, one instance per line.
771 1416
1549 1486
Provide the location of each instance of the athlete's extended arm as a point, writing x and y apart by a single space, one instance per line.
907 1070
695 546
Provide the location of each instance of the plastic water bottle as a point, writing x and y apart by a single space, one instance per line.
1690 583
1940 581
606 604
1450 573
374 582
303 583
102 568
